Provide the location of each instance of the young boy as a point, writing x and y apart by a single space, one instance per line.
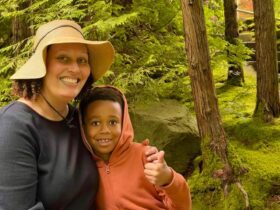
127 180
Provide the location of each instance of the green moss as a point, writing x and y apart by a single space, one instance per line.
205 191
262 171
253 151
235 199
203 186
211 160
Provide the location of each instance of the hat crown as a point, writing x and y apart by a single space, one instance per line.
56 28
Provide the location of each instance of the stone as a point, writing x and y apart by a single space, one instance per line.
171 127
246 36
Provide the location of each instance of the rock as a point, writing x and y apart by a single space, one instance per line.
246 36
171 127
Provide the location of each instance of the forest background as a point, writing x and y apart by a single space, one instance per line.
151 64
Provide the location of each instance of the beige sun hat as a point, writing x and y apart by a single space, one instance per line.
101 53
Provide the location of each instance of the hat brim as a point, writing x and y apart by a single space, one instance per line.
101 57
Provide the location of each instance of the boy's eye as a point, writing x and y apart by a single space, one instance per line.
95 123
113 122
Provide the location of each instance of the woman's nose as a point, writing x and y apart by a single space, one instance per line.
74 67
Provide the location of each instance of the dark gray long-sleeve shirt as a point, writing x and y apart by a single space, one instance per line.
43 163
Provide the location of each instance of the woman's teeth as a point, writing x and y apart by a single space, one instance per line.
70 80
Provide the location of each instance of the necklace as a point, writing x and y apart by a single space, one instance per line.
68 121
52 107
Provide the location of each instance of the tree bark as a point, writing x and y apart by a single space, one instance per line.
19 29
267 103
235 70
205 101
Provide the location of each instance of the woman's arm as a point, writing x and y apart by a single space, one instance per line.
18 165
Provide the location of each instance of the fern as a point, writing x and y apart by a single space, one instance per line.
147 35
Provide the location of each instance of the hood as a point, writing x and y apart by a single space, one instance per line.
125 140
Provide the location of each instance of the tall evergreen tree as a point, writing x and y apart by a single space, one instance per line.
214 141
235 70
267 104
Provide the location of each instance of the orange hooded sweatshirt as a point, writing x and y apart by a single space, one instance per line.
123 185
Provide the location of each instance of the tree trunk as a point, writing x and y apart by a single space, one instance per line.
235 71
214 142
267 104
19 29
205 101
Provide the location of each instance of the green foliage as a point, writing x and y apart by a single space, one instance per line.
238 53
221 50
5 89
214 20
277 8
151 57
148 40
106 27
9 63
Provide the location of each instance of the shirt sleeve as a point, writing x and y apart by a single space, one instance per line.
176 195
18 165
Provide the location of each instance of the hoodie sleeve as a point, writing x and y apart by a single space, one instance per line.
176 195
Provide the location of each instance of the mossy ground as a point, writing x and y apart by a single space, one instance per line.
254 147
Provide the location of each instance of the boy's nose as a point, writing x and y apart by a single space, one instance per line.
104 129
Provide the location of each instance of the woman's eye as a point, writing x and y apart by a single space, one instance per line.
63 59
82 61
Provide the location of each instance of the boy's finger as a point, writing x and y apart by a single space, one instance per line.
160 157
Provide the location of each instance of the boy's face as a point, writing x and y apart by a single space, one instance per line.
103 126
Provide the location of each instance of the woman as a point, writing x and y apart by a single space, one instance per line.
43 161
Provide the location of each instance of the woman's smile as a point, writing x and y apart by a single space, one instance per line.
69 80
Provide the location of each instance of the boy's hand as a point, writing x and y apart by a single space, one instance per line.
157 171
150 151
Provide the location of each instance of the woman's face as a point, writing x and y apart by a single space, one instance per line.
67 71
